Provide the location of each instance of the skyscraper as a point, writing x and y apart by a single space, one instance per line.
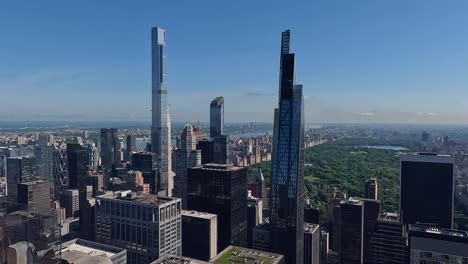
148 226
199 235
311 243
370 189
146 163
160 141
222 190
131 146
19 170
186 157
427 189
109 148
287 180
217 117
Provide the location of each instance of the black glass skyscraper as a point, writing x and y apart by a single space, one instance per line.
146 162
427 189
217 117
287 180
109 148
222 190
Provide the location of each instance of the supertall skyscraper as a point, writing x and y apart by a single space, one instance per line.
160 140
287 179
217 117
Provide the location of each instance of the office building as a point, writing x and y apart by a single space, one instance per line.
221 190
311 243
110 147
146 162
357 219
148 226
60 167
76 158
220 149
311 214
160 138
387 243
206 147
254 216
186 157
335 200
324 246
217 117
234 254
261 237
19 170
34 194
370 189
257 185
437 245
81 251
427 189
70 200
287 174
131 147
199 235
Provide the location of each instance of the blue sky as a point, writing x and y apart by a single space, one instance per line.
359 61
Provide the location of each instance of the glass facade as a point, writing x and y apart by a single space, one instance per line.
287 188
160 141
217 117
427 192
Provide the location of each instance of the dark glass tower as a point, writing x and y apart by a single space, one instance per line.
287 180
217 117
427 189
146 163
109 148
222 190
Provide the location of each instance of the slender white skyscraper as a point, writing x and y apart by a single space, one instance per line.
160 141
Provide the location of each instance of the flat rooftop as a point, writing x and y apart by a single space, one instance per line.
171 259
245 255
438 231
197 214
90 251
149 199
219 167
308 227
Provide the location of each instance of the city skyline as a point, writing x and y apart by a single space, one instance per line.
358 60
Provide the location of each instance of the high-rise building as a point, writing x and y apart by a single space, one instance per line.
217 117
261 237
437 245
427 189
131 146
186 157
70 200
148 226
254 216
206 147
370 189
387 243
335 200
311 243
61 176
222 190
199 235
220 149
83 251
287 174
257 185
146 162
160 139
19 170
110 147
35 194
357 219
311 214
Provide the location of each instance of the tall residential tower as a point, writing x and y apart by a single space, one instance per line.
287 179
160 141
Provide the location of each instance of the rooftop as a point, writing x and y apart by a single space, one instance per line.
244 255
143 198
438 231
213 166
197 214
171 259
308 227
82 251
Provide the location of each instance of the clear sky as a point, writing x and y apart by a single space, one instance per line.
359 61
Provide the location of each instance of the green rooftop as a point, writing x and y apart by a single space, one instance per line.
234 255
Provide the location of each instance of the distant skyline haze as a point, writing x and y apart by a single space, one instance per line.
360 61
